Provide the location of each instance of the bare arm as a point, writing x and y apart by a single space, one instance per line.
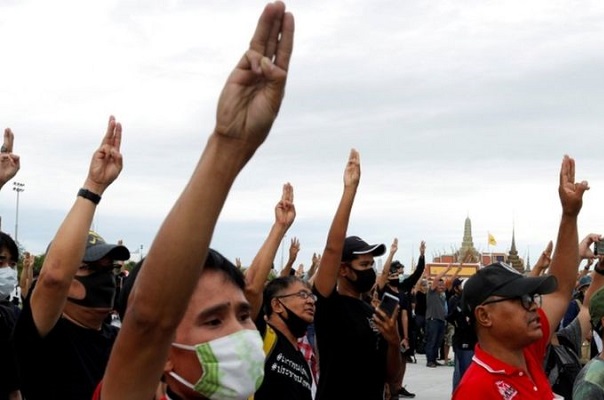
382 279
440 276
327 275
247 108
565 260
313 266
544 260
294 248
27 274
67 250
256 275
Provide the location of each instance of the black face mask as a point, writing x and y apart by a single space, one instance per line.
296 325
100 289
365 280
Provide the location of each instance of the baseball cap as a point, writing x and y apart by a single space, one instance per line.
500 279
97 248
584 281
396 266
354 245
596 307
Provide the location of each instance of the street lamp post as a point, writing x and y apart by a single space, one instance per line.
17 187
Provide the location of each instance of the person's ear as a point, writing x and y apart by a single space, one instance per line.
483 316
343 269
276 305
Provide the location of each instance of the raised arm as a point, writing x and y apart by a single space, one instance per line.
256 275
312 271
414 278
565 260
247 108
440 276
544 260
27 274
327 275
9 162
382 279
67 249
294 248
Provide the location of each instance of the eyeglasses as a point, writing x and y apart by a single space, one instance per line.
527 300
5 261
303 294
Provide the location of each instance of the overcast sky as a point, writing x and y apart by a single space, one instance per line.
457 109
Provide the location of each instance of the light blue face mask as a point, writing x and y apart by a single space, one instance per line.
233 366
8 281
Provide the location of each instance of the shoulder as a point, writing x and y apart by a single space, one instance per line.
477 384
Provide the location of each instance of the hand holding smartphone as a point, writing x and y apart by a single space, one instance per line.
388 303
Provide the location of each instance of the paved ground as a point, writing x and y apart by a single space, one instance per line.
428 383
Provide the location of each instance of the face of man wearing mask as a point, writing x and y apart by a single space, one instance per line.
360 273
218 319
8 273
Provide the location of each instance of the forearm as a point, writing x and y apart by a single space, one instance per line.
394 363
565 260
287 267
326 276
261 266
383 278
184 237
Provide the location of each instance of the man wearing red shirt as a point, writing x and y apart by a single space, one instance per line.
512 321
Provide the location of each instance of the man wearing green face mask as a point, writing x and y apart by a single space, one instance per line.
188 320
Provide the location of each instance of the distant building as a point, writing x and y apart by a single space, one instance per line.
472 259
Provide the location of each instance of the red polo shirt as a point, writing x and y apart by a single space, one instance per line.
490 378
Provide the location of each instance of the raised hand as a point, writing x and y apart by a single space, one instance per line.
252 95
106 163
294 248
585 250
352 173
9 162
422 248
570 192
394 246
285 211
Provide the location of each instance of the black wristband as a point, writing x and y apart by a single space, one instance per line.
599 271
88 195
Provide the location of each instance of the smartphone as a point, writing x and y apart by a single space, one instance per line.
599 248
388 303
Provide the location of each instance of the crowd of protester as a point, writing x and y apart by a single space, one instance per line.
84 328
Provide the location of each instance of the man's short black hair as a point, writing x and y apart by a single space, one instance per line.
214 262
11 246
276 287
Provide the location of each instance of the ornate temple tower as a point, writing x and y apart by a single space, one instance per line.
513 258
467 252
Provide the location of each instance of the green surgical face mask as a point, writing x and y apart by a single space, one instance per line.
233 366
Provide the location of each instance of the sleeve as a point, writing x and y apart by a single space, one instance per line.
408 283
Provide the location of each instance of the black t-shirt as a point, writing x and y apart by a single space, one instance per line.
403 303
286 372
352 352
420 303
66 364
9 377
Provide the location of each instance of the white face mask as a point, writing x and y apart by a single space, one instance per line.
233 366
8 281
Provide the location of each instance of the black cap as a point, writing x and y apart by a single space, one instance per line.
97 248
500 279
354 245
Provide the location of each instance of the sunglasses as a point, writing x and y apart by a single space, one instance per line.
527 300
